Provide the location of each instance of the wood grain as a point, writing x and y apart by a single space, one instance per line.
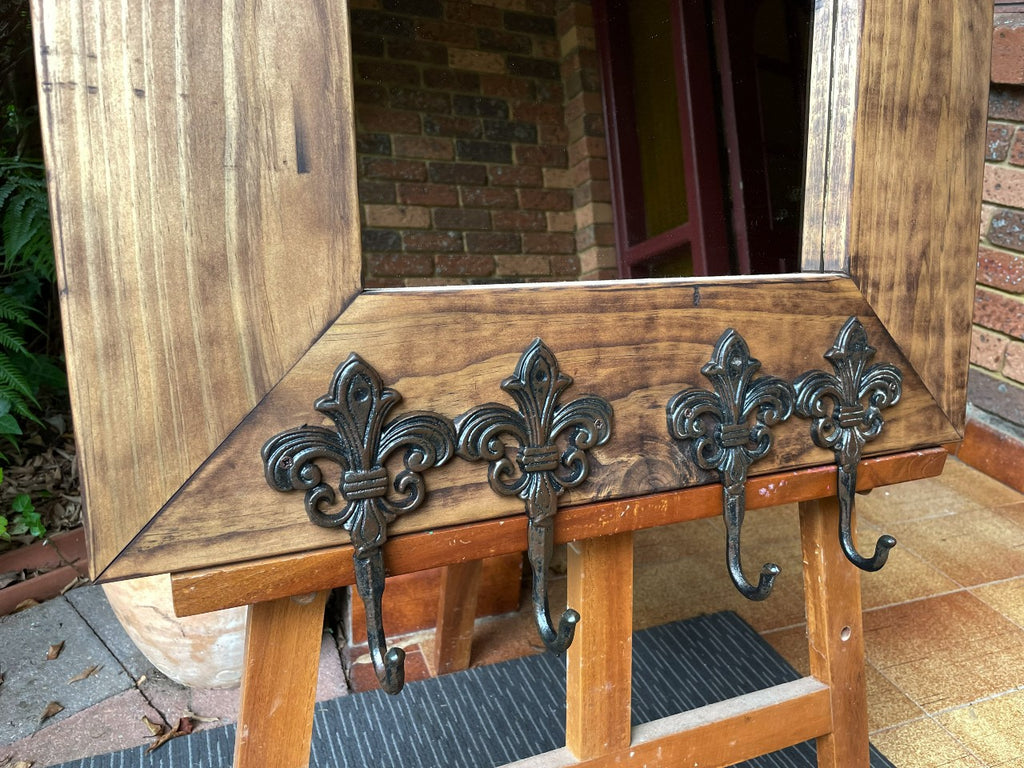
832 98
835 634
923 73
719 734
411 599
282 656
209 589
634 344
598 676
198 165
456 612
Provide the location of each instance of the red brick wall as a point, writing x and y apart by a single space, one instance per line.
470 169
996 382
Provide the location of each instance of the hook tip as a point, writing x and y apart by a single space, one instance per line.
391 673
765 583
562 639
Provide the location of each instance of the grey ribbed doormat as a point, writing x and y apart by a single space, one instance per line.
492 715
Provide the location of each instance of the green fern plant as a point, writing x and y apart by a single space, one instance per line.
25 223
27 274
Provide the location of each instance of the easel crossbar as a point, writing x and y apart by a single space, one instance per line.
258 581
719 734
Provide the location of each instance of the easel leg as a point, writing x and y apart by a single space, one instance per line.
835 634
282 657
456 612
599 667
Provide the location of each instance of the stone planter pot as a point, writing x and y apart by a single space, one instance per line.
196 651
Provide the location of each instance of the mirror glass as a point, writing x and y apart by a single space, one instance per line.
570 140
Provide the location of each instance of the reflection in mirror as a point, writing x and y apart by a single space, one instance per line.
581 140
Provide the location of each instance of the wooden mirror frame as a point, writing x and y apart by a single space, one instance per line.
207 234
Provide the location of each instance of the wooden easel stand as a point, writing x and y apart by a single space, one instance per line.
287 595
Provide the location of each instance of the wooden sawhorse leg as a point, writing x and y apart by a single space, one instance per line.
835 634
456 613
282 658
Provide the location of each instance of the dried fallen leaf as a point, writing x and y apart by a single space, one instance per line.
23 764
52 709
7 762
157 729
140 681
184 727
197 718
87 672
24 605
54 651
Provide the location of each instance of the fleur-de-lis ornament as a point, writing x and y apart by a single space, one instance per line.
541 470
730 430
846 408
358 403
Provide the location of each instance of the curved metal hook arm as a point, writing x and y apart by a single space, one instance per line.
847 488
734 508
388 664
541 545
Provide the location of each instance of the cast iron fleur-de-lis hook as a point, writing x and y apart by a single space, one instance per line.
541 470
358 403
723 438
846 411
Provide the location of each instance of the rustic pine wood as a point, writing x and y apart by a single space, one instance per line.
719 734
411 599
923 71
634 344
198 165
228 586
282 656
598 675
180 283
835 634
456 612
830 149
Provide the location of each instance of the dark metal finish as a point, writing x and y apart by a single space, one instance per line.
846 411
725 439
358 403
542 469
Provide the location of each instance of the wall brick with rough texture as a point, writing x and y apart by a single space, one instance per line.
1004 185
995 395
999 312
1013 364
1002 270
997 349
462 137
1008 48
988 349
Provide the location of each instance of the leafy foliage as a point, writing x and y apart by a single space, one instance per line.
25 520
31 368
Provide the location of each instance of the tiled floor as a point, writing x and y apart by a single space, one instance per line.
944 620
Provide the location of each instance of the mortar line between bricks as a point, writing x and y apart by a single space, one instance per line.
113 654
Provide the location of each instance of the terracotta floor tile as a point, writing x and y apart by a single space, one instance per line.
1007 597
791 644
917 500
993 729
924 744
945 651
905 576
971 547
986 491
887 704
681 571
